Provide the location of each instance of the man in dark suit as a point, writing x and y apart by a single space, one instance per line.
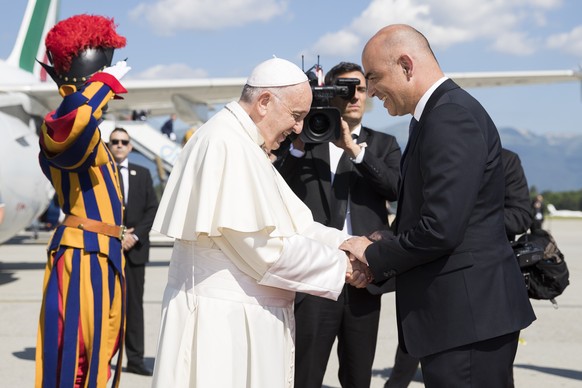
518 215
460 298
346 184
168 127
140 209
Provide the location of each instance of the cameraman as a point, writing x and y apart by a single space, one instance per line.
346 184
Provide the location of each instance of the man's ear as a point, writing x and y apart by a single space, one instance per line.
406 64
263 102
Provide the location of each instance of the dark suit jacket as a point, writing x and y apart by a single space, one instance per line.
518 209
140 211
371 183
457 279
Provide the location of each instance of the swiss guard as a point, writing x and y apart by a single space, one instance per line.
81 323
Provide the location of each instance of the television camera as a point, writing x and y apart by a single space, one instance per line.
323 122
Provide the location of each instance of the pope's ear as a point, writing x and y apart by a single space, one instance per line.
263 102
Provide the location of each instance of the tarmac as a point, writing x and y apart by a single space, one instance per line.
549 354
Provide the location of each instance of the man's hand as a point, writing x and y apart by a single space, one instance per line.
360 275
119 70
129 240
356 246
381 235
346 142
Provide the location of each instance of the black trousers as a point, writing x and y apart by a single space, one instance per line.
134 331
403 371
353 319
485 364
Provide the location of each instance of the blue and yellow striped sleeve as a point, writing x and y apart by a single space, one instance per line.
70 135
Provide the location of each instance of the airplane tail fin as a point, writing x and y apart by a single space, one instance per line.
40 16
551 208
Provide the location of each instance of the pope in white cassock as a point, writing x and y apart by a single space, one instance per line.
244 244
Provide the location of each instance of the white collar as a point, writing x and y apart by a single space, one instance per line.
125 163
246 122
424 99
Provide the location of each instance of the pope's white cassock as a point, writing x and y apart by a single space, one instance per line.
244 244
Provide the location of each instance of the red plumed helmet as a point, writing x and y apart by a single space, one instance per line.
80 46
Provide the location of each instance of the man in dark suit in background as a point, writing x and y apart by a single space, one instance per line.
168 127
140 209
346 184
460 298
517 212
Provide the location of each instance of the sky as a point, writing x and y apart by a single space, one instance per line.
228 38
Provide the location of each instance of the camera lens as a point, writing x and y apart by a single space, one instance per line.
319 124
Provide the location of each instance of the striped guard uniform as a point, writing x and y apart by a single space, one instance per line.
81 322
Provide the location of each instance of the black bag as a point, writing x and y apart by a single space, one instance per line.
527 253
546 277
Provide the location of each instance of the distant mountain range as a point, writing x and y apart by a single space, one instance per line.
552 162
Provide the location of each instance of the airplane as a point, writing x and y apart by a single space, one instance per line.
27 95
23 188
563 213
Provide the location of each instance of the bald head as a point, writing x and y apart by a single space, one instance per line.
400 67
402 37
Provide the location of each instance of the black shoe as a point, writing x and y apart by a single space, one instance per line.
139 369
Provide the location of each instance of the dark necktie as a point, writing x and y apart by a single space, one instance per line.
121 185
340 190
412 126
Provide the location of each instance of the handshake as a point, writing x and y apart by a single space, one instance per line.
358 274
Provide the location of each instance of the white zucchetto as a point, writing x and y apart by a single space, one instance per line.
276 72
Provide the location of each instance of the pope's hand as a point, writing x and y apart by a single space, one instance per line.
119 70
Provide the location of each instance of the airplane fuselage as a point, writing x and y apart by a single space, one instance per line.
24 189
